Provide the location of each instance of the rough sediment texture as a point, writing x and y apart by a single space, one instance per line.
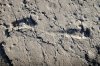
49 32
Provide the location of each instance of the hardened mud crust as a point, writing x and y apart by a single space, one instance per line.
49 32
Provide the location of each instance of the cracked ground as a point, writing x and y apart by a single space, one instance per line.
49 32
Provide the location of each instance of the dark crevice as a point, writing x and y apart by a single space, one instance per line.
98 18
47 42
82 28
33 22
98 49
45 15
55 17
4 24
4 56
55 60
7 33
51 26
10 4
15 23
84 0
82 20
86 57
61 44
98 5
72 31
39 37
69 31
87 33
72 0
75 14
80 3
24 1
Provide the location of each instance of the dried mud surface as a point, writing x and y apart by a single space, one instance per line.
49 32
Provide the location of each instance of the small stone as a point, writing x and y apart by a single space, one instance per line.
91 54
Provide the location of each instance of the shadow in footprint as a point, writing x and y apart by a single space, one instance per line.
28 21
72 31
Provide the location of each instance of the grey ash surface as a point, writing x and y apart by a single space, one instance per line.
49 32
